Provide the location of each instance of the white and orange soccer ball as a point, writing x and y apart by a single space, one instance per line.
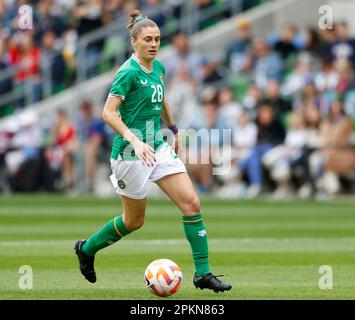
163 277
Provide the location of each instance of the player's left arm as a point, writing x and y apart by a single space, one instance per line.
169 122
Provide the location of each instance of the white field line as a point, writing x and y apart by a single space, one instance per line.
180 241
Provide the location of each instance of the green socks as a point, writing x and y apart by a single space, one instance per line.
194 228
196 234
111 232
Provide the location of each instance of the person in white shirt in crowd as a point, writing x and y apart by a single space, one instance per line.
202 143
182 95
228 109
26 141
251 100
185 55
327 78
279 159
302 74
244 139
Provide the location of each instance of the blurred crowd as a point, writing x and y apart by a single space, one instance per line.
56 27
59 155
288 100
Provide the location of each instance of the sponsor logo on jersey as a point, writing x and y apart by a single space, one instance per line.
144 82
156 108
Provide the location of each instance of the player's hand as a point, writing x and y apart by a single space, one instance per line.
176 144
144 152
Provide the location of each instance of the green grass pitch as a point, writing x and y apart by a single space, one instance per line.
267 250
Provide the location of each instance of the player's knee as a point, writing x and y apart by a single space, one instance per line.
193 206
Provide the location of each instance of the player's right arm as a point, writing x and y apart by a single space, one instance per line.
144 151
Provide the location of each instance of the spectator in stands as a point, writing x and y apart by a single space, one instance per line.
266 63
336 157
90 15
244 138
307 97
327 78
182 96
281 106
70 38
27 166
202 143
327 39
251 100
55 58
91 134
270 134
326 81
65 143
280 159
315 140
185 56
228 109
237 53
346 76
343 47
312 42
27 56
299 77
285 46
45 20
212 71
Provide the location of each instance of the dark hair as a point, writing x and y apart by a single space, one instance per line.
265 102
138 22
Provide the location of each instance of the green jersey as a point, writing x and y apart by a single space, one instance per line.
142 92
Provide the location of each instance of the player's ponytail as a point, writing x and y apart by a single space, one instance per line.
137 22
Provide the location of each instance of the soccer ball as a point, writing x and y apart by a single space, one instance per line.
163 277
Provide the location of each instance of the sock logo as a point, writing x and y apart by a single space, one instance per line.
202 233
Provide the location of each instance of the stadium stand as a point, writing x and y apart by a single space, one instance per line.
286 90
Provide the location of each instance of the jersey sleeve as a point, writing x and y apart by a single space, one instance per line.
122 83
163 76
163 69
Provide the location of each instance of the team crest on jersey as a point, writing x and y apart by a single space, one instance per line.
121 184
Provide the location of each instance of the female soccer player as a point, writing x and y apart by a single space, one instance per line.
133 109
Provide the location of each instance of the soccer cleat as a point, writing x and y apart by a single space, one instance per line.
86 262
209 281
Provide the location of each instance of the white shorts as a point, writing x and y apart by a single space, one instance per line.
130 178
